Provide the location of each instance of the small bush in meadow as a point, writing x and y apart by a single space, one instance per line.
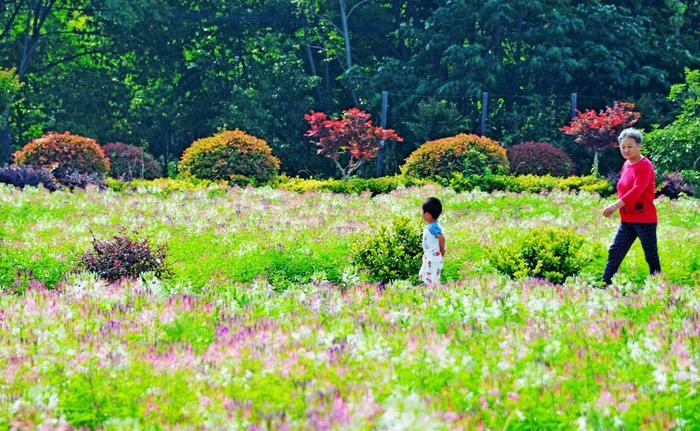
391 252
466 154
66 152
124 257
27 175
232 156
130 162
551 253
539 158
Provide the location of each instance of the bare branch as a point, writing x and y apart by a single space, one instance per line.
355 7
69 58
75 32
329 21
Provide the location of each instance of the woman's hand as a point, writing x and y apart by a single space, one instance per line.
610 209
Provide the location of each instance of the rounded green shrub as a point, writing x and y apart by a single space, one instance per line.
233 156
552 253
466 154
391 252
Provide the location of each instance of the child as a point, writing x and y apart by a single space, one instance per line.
433 244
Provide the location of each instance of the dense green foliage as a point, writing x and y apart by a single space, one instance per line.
390 252
676 146
527 183
551 253
354 185
163 73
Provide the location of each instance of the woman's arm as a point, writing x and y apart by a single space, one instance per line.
641 181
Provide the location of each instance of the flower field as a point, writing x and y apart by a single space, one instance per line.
265 325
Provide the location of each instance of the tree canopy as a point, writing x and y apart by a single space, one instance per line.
163 73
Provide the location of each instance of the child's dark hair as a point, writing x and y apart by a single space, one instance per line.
433 207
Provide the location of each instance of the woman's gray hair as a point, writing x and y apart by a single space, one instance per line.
630 132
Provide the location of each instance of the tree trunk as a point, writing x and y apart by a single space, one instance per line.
594 168
312 62
348 52
346 34
5 137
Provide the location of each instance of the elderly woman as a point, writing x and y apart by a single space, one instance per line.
635 192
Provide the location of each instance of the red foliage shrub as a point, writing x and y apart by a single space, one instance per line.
539 158
64 151
353 135
129 162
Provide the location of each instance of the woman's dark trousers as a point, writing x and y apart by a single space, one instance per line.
624 238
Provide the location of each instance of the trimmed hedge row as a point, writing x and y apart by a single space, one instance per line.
351 186
458 182
375 186
527 183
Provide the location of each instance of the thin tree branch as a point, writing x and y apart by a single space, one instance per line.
329 21
69 58
11 20
76 32
355 7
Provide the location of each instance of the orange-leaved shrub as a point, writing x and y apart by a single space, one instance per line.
64 152
468 154
233 156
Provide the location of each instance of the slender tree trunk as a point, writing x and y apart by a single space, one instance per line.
328 78
5 136
346 34
312 62
343 174
348 52
594 168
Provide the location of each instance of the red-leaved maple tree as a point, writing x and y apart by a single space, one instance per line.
599 130
351 139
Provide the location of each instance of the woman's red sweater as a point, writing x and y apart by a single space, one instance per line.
636 188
